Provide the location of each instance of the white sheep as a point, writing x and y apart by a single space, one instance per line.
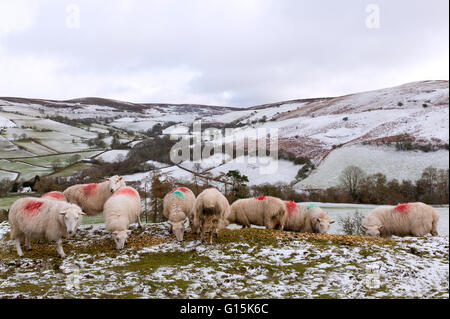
37 218
262 211
306 218
55 196
92 197
120 210
178 205
416 219
208 213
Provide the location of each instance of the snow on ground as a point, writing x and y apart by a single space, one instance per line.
7 175
134 124
172 171
252 265
215 160
144 124
5 123
228 117
260 170
253 115
47 124
394 164
178 129
157 164
113 156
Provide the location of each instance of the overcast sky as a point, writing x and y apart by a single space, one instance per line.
222 52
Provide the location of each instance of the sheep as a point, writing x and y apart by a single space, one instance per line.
178 205
92 197
306 218
416 219
262 211
120 210
55 196
208 213
38 218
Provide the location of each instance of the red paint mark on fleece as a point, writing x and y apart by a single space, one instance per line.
90 189
126 191
181 189
32 208
402 208
56 195
290 207
260 198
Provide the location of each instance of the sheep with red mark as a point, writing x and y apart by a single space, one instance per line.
411 219
120 210
55 196
306 218
38 218
262 211
92 197
208 213
178 205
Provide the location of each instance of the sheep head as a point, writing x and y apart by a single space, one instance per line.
372 230
177 218
120 238
71 217
322 223
116 183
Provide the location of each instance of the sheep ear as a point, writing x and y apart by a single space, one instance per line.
381 227
332 221
364 227
120 178
62 213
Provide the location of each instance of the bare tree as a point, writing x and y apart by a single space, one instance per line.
351 178
197 169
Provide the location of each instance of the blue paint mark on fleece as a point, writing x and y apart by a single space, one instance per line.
178 193
311 206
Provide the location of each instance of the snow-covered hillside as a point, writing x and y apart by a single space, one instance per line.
4 123
393 164
357 129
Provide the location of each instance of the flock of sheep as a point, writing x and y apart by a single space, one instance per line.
56 215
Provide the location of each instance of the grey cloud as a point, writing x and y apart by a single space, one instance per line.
257 51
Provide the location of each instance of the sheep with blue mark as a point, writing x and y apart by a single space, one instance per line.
178 205
306 218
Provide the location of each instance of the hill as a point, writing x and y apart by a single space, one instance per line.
397 131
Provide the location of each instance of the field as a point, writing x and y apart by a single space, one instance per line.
395 164
242 263
332 133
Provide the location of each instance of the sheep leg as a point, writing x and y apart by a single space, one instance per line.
59 248
139 221
18 248
434 231
28 243
210 237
